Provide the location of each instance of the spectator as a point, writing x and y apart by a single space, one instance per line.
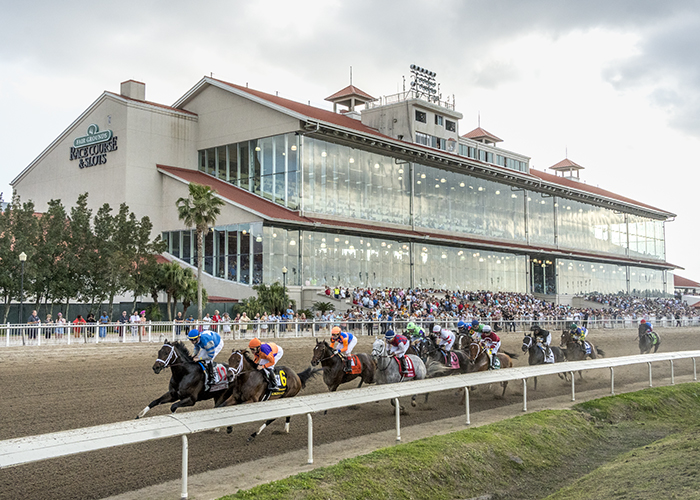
104 319
33 320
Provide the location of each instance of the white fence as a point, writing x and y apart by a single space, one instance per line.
152 331
24 450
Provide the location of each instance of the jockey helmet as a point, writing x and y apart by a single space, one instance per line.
194 334
254 343
436 329
643 321
573 326
535 328
389 334
335 330
411 326
475 322
461 324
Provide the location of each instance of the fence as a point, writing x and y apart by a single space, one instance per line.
156 331
35 448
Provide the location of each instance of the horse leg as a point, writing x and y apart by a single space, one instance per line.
286 425
505 385
188 401
262 427
535 384
165 398
413 401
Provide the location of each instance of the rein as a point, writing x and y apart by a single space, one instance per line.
382 354
238 369
171 356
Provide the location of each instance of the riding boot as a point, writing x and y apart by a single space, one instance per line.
348 364
404 369
210 374
271 380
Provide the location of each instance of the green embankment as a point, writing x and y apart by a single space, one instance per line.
641 445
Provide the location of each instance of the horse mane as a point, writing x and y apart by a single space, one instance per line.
183 351
247 356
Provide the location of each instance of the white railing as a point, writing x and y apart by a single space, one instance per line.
24 450
156 331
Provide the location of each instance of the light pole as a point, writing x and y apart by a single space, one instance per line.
284 279
22 259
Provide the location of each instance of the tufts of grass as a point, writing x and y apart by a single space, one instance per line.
530 456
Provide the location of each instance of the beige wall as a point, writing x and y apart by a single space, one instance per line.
225 118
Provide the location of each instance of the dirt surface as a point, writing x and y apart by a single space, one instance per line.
48 389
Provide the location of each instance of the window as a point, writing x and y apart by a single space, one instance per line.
437 142
421 116
438 120
450 126
423 139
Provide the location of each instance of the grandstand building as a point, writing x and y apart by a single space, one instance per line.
383 192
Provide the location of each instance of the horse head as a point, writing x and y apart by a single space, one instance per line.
527 343
165 357
474 351
565 338
319 352
378 348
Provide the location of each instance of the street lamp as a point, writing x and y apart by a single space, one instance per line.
22 259
284 278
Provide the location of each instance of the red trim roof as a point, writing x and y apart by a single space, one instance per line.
218 299
311 111
480 133
566 163
681 282
350 91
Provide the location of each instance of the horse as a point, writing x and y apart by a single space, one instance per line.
575 350
434 353
479 360
250 386
537 357
647 340
388 371
333 365
186 380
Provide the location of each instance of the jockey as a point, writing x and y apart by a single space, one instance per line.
543 338
578 333
207 345
345 342
398 345
266 356
647 327
491 341
445 338
463 328
415 331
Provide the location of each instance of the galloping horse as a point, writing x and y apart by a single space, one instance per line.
250 386
647 340
186 380
479 360
575 350
434 353
334 372
388 371
536 354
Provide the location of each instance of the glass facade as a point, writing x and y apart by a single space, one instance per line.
268 167
333 179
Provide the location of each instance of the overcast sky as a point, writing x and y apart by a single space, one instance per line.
615 84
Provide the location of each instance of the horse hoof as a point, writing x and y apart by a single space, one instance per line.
229 430
413 403
250 439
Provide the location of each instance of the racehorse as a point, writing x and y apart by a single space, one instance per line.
333 365
575 350
434 353
647 340
388 370
479 360
186 380
250 386
537 357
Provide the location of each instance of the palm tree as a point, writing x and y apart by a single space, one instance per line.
200 210
173 282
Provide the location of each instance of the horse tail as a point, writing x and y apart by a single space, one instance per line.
510 354
307 374
433 368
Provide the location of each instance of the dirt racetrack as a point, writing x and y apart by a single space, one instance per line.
48 389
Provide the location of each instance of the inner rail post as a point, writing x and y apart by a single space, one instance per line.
398 419
466 399
524 394
310 427
612 381
183 491
673 379
573 387
695 371
649 363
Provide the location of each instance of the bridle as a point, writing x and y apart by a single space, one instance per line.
235 371
172 356
326 348
381 354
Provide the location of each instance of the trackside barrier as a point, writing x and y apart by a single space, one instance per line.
155 331
58 444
